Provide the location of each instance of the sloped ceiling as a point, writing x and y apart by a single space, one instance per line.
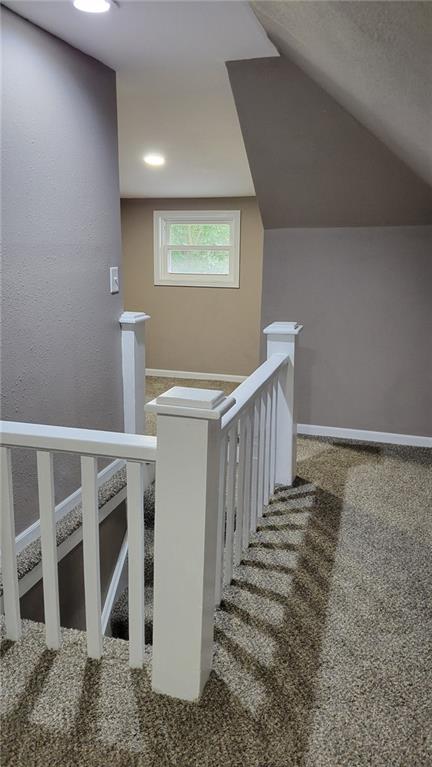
375 58
313 164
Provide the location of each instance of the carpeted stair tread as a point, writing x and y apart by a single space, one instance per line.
119 619
31 556
119 616
149 507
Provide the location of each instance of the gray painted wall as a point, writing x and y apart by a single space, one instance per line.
364 297
61 348
347 252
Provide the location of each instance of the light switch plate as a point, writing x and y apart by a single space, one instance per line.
114 279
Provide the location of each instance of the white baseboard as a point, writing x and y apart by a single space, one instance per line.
64 507
200 376
365 436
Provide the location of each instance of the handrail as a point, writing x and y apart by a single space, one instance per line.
252 385
89 442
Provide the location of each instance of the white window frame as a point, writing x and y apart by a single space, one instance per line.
161 274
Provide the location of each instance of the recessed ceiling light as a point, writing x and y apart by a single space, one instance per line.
92 6
154 158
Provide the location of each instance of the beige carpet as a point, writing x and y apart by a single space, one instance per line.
156 386
323 652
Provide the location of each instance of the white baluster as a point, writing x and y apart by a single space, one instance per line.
45 474
274 390
247 480
135 522
231 490
261 453
240 492
92 590
8 554
221 520
255 452
267 447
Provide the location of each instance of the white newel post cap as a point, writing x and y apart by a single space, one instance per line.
129 319
283 329
207 404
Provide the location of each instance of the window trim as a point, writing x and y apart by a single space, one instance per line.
161 274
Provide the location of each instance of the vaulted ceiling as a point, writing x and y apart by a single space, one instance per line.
375 58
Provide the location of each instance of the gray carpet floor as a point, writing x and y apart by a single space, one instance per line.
323 643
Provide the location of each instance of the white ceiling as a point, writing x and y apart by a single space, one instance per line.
375 58
173 90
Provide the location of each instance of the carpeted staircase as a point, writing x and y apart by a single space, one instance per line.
119 616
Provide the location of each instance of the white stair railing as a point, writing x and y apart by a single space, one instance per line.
250 426
219 459
89 444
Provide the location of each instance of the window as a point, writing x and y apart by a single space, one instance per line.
198 247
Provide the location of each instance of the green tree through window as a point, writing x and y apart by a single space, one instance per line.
197 248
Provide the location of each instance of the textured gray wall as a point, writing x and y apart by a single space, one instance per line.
364 297
61 347
347 252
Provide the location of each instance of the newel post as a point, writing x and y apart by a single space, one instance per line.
187 475
281 338
133 369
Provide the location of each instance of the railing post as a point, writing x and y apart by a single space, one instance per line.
281 338
133 369
187 481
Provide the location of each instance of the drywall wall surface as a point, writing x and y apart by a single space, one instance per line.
312 162
347 251
61 346
206 330
364 298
